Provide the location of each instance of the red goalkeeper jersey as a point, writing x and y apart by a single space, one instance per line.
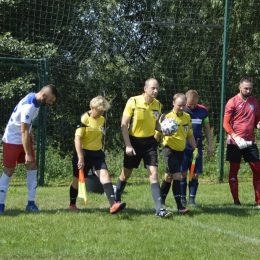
242 115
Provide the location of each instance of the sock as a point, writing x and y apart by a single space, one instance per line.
183 184
193 187
255 167
176 190
109 191
165 187
31 182
120 186
156 194
4 185
233 182
73 195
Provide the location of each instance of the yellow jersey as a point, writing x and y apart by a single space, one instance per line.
91 131
177 141
143 116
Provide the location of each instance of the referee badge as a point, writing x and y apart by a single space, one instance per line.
156 114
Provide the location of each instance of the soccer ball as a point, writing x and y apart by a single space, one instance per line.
169 126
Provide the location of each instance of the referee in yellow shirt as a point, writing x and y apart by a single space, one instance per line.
88 153
139 121
173 149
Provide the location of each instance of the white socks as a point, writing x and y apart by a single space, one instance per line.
31 182
4 185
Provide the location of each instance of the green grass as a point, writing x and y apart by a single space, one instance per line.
214 230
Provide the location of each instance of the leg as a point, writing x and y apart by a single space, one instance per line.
121 182
193 187
156 192
4 185
183 184
176 190
109 191
255 167
31 182
233 181
165 187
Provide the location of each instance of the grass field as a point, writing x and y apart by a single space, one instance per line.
213 230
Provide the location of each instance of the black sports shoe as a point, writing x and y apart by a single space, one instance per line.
237 203
163 213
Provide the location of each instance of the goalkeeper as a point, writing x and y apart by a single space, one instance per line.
240 119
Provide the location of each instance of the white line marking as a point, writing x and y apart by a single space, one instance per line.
227 232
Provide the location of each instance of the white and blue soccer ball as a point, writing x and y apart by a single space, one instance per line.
169 126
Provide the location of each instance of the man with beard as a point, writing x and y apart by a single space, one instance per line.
18 142
240 119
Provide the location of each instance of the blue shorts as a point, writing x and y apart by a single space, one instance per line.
188 156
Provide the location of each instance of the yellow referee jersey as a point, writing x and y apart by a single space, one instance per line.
143 116
177 141
91 131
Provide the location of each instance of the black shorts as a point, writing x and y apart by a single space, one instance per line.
146 149
234 154
173 160
94 161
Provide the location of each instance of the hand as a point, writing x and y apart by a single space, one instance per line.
28 159
241 143
258 125
195 154
81 163
129 151
209 151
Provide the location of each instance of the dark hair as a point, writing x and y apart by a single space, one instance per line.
53 89
246 79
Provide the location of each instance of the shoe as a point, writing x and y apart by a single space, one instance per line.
2 208
32 208
237 203
183 211
73 207
192 203
163 213
255 203
118 205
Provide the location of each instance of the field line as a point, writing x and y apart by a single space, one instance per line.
217 229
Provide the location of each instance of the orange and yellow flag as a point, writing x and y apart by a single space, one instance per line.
82 192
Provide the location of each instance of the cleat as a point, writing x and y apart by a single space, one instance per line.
192 203
118 205
32 208
237 203
2 208
255 203
163 213
183 211
73 207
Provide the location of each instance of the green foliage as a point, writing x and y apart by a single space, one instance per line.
58 169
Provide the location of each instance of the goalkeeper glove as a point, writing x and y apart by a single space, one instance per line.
258 125
241 142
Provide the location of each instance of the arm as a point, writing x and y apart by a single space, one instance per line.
78 147
124 127
209 138
192 141
25 131
193 144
